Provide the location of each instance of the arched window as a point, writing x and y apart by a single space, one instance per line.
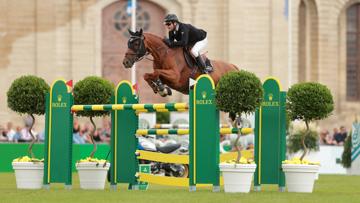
308 41
353 53
302 42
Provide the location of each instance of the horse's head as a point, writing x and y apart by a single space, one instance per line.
136 49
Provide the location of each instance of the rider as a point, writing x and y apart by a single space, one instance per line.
184 35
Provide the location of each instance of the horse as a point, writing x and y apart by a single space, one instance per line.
170 67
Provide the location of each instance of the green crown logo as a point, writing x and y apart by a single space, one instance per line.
203 94
270 97
59 97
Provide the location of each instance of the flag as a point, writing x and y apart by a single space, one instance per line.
355 141
286 9
69 83
129 7
135 87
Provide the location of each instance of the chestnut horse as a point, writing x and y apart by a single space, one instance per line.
170 67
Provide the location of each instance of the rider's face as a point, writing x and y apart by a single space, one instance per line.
170 26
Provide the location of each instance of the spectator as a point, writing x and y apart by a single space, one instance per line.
340 136
26 136
85 132
17 135
3 134
41 136
77 138
98 136
106 131
326 138
10 132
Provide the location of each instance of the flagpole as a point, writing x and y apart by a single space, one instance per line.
133 28
289 43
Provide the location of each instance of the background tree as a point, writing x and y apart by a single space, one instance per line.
346 155
93 90
238 93
26 95
308 101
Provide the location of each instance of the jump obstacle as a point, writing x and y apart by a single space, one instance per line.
204 133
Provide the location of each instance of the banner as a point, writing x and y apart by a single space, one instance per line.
355 140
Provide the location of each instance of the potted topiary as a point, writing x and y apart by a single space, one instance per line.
238 93
26 95
92 90
308 102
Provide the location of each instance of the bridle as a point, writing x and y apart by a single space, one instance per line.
141 52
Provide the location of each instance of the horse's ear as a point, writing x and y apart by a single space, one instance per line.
141 31
131 32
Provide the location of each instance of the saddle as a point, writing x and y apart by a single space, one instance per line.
191 61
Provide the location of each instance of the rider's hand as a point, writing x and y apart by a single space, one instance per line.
167 41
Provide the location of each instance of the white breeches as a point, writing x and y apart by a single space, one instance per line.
198 47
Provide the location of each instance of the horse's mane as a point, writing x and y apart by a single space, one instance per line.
157 38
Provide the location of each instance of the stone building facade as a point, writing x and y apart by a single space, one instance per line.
72 39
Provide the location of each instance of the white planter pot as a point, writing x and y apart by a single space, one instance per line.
299 177
237 177
92 176
29 175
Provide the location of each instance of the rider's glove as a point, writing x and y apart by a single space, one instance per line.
167 42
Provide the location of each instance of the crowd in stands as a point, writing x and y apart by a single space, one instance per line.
337 137
81 132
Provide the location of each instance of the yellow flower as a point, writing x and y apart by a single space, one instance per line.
27 159
297 160
89 159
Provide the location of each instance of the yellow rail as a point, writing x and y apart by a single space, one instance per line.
170 181
166 158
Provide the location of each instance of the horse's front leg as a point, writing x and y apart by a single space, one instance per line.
149 78
156 84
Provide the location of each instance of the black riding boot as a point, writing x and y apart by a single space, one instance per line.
205 69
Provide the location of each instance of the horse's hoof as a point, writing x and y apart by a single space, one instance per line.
169 92
163 93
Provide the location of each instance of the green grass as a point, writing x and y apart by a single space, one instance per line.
329 188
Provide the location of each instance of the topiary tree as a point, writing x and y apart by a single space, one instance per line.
26 95
309 101
238 93
93 90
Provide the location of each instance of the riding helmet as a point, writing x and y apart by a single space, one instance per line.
171 18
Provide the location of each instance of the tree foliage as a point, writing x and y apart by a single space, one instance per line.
309 101
93 90
26 95
239 92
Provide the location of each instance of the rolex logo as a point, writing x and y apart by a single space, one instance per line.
59 97
123 100
270 97
203 94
